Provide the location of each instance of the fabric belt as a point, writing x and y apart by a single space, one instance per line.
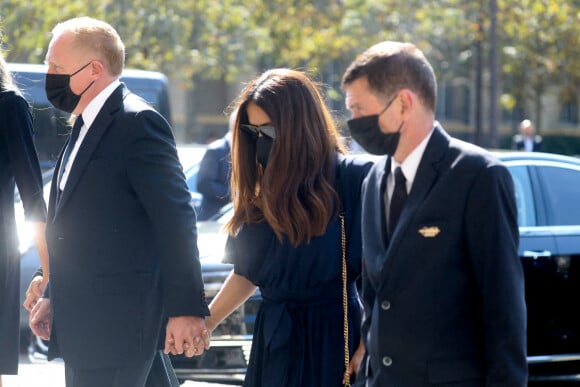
277 321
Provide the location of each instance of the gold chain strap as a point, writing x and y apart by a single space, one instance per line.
345 302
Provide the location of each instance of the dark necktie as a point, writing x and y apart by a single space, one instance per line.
70 145
397 200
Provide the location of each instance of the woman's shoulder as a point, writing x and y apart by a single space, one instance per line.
356 165
12 99
352 169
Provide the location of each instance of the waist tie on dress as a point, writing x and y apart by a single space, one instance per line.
277 322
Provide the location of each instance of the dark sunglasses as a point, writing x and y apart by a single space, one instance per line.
254 131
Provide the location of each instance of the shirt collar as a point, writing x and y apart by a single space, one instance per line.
95 106
411 163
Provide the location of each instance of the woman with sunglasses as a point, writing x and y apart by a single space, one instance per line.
290 183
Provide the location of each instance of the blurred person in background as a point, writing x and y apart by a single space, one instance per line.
527 140
290 182
213 179
19 167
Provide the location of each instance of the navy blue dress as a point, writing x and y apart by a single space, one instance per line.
18 164
298 335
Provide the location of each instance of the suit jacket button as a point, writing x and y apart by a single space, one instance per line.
387 361
386 305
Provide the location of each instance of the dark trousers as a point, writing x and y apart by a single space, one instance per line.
162 373
157 372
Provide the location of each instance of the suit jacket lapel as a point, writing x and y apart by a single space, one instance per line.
425 179
52 199
374 205
90 142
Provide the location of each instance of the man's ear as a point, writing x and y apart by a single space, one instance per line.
408 101
97 68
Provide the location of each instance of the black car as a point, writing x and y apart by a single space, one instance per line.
547 190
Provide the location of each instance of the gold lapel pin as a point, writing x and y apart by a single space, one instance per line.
429 232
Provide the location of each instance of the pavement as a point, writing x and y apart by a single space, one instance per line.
51 374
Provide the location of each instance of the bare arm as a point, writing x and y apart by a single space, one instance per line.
38 283
40 242
234 292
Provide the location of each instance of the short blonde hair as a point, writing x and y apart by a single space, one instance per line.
96 37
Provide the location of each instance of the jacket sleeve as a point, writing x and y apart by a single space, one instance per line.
492 238
18 132
156 175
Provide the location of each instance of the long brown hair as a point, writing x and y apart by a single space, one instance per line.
295 193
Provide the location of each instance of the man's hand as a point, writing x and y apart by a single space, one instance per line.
186 335
34 292
40 319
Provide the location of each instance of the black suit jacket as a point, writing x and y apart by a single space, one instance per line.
122 240
444 298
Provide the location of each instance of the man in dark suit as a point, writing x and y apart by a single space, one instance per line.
213 179
527 140
443 287
121 233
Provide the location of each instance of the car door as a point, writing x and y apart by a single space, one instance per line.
559 190
536 249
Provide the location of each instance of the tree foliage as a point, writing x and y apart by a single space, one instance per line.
221 39
540 39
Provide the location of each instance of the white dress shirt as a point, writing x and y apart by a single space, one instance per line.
89 115
409 168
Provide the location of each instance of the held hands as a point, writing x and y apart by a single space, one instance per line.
40 319
34 292
187 335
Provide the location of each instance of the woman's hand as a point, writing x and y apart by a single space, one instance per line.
355 362
34 292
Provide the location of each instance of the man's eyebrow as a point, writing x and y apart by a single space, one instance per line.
353 106
50 63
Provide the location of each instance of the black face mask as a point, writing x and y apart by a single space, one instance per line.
58 91
263 149
366 131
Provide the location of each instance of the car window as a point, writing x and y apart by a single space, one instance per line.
562 188
524 196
